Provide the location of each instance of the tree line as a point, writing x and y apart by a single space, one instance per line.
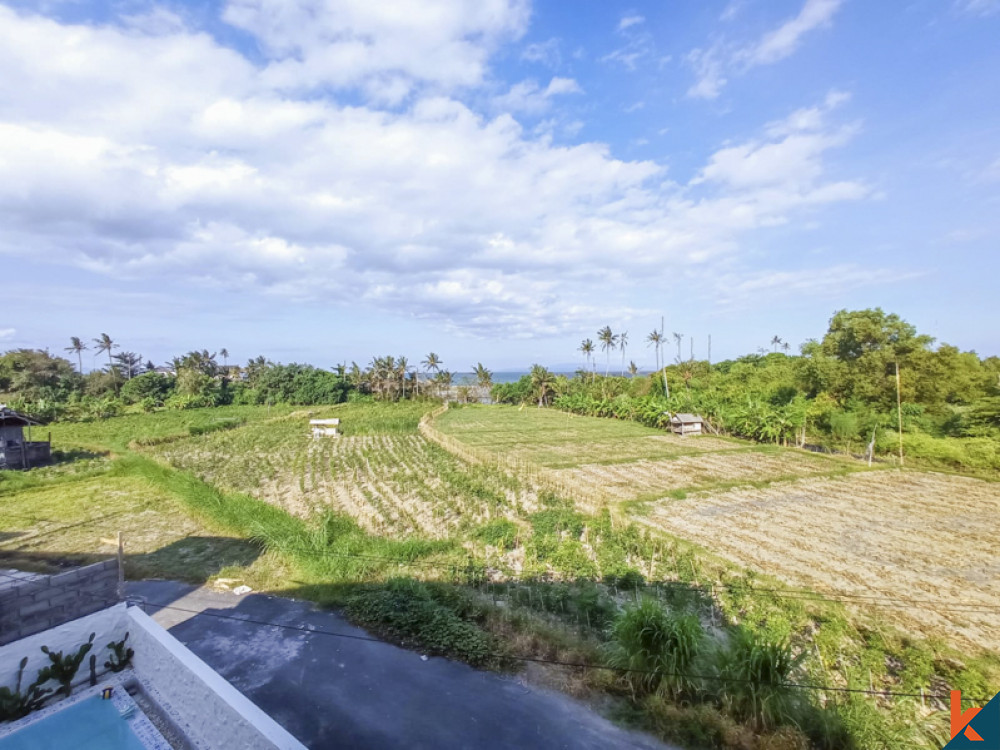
839 392
51 387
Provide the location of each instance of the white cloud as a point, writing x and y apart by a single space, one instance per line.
979 7
7 333
783 41
163 155
708 67
628 21
344 43
529 97
547 53
736 291
790 155
711 65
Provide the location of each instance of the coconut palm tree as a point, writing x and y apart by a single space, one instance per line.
609 342
678 337
786 346
541 383
224 353
402 367
776 342
622 343
484 378
105 344
587 347
76 346
433 362
657 339
633 370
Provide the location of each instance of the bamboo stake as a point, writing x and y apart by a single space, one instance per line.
899 414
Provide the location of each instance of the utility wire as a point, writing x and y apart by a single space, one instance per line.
554 662
803 594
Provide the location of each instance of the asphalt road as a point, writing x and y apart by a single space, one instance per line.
335 692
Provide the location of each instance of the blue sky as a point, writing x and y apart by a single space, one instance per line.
493 180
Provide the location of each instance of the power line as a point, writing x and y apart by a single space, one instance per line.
500 656
803 594
577 665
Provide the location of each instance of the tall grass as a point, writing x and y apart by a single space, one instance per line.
659 649
754 671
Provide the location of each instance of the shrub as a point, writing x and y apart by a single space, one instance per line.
659 647
409 609
500 533
754 671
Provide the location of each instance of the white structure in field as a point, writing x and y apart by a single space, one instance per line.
686 424
324 427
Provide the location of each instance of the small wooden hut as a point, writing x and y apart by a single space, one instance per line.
15 451
686 424
324 427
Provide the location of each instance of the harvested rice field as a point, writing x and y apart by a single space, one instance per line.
884 537
387 477
647 480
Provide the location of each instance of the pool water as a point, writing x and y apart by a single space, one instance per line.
91 724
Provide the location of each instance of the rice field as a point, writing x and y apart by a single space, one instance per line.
822 522
649 480
381 472
884 536
65 523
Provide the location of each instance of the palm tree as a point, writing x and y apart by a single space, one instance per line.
433 362
632 369
587 347
76 346
776 342
402 366
224 353
622 343
678 337
657 339
484 378
786 346
608 341
105 344
541 382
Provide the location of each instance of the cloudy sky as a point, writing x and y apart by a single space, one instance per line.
324 180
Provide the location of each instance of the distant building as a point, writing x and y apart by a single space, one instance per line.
15 451
686 424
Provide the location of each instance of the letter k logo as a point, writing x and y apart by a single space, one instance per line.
960 719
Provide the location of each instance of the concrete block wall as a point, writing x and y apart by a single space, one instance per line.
39 604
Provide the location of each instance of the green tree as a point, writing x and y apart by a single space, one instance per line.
542 382
106 344
76 346
609 342
587 347
484 378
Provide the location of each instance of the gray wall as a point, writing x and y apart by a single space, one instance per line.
36 605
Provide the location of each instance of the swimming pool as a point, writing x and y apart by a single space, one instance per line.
88 724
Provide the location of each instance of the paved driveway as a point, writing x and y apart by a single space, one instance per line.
340 693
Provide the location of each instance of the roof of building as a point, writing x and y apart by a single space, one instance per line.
10 418
686 418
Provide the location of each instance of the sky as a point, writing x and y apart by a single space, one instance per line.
493 180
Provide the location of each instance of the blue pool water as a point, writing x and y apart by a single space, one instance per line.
91 724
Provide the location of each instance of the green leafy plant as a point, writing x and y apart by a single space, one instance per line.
755 671
64 667
14 704
121 656
659 648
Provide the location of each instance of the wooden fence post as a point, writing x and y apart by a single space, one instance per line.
121 567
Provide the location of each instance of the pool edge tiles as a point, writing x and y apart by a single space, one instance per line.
138 723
